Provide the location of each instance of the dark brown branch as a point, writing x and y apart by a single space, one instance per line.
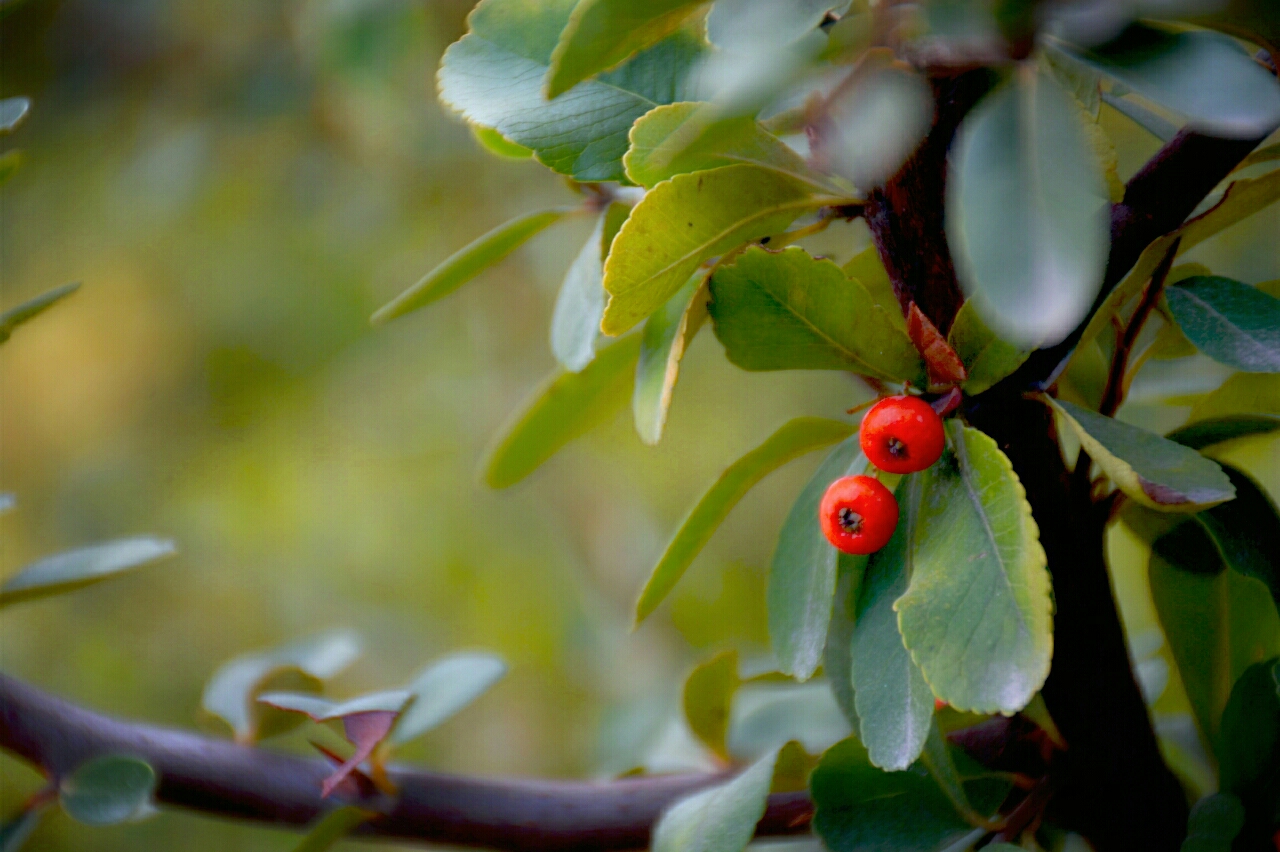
220 778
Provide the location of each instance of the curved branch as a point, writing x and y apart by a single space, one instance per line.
221 778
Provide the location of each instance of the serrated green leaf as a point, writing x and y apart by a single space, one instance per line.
667 335
837 656
1156 472
1245 531
802 575
718 819
1027 211
1203 75
601 34
977 615
231 693
493 76
859 808
786 310
986 357
332 827
468 262
686 220
14 317
867 269
108 790
12 112
1229 321
498 145
565 406
794 439
893 701
1213 823
575 322
74 569
443 688
708 694
1206 433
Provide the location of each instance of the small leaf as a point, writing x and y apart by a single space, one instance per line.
231 694
667 335
601 34
565 406
859 808
445 687
1251 735
14 317
708 694
1245 531
799 436
893 701
986 357
108 790
718 819
575 323
867 269
941 361
493 76
1231 322
332 827
1213 823
1154 471
498 145
324 710
789 311
468 262
977 615
685 220
802 576
74 569
12 112
1206 433
676 139
1027 211
1203 75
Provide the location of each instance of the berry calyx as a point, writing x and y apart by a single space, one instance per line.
902 434
858 515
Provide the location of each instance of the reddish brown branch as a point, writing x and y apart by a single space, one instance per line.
220 778
1113 393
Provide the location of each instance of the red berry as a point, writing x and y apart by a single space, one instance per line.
902 434
858 514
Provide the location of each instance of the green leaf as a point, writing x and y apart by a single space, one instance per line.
788 311
14 317
108 790
468 262
231 694
676 139
977 615
684 221
575 323
331 828
859 808
718 819
601 34
767 718
708 694
324 710
1245 532
12 112
1250 756
1148 119
443 688
1241 394
893 701
837 656
1206 433
74 569
562 408
498 145
1156 472
667 335
1028 211
794 439
802 576
1203 75
493 76
1213 823
867 269
986 357
1231 322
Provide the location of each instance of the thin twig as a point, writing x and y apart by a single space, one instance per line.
1113 395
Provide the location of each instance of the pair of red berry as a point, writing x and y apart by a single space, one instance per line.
900 434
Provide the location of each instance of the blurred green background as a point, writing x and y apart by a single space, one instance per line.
239 185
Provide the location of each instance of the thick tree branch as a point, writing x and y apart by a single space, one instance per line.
220 778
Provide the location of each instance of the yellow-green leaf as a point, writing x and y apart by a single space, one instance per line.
667 334
708 694
986 357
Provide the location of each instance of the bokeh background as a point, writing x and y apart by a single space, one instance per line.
239 185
